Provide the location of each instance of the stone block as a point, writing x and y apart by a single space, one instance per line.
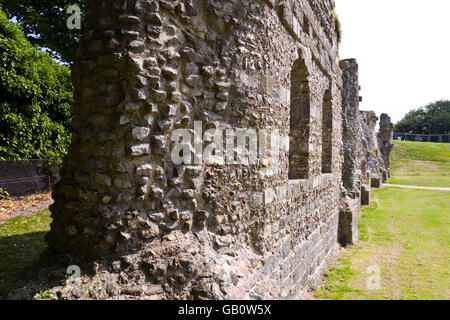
365 195
348 227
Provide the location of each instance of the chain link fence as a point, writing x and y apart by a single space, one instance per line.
438 138
25 177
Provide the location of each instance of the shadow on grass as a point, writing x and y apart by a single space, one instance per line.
17 253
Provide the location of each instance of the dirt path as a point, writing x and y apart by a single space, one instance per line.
33 208
417 187
24 206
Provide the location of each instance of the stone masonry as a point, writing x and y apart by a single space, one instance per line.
146 228
385 137
353 155
366 153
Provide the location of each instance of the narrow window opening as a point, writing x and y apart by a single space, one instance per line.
300 113
327 133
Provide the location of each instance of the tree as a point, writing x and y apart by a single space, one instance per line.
36 96
431 119
44 23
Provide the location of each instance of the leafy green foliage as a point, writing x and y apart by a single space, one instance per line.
44 24
431 119
42 295
4 195
36 97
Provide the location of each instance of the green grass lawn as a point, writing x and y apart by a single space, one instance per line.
420 164
406 234
21 243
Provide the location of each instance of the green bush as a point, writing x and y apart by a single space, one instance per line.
36 96
4 195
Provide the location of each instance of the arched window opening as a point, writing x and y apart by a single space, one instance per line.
300 113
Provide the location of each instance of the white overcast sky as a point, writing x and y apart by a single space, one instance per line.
403 50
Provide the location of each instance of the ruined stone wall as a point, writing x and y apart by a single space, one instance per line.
354 160
366 153
351 127
372 155
385 142
221 223
162 230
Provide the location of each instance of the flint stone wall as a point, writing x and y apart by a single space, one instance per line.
351 127
147 68
366 153
385 142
